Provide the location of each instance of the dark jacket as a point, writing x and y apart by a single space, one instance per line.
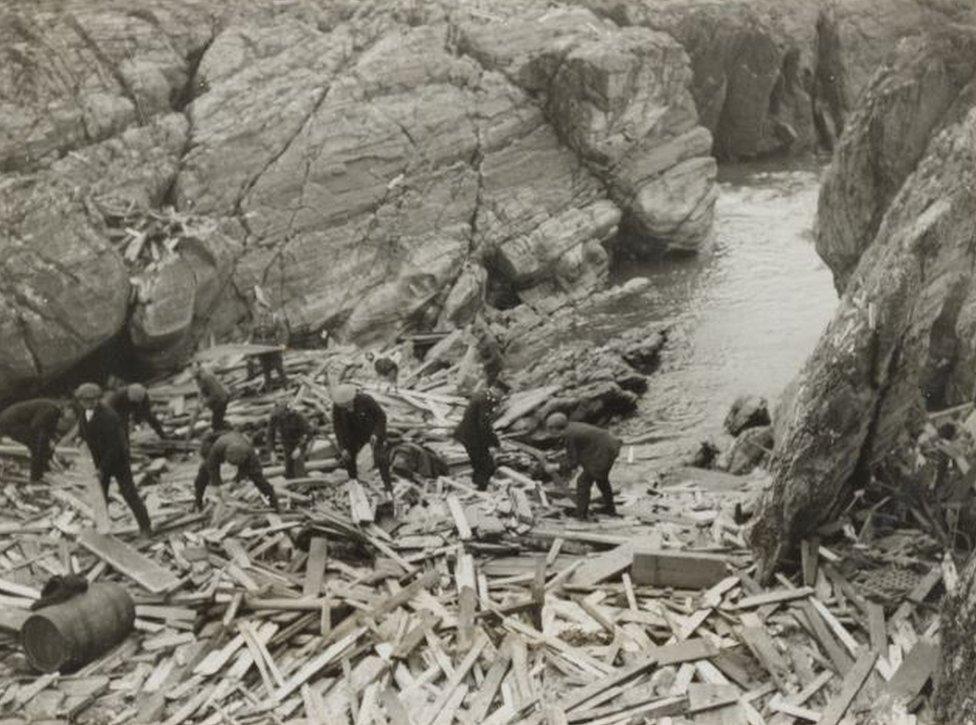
211 389
139 412
353 428
592 448
269 329
475 429
31 421
105 437
218 454
292 425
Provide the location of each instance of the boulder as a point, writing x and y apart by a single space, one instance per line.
63 289
466 297
750 449
620 99
901 335
748 411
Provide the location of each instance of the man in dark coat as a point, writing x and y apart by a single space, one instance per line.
37 424
296 434
269 329
131 402
357 419
233 448
595 450
101 428
213 395
476 434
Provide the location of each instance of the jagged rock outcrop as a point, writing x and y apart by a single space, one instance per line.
772 76
901 337
887 135
372 166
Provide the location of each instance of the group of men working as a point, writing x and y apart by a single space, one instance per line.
357 419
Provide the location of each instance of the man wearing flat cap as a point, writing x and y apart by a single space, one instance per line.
357 419
131 402
101 429
236 449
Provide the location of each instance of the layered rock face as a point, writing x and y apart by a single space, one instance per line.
373 167
776 77
902 337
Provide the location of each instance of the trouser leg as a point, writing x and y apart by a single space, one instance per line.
217 413
381 459
583 485
351 467
603 483
252 469
289 450
104 478
267 365
483 466
39 460
127 487
200 486
279 365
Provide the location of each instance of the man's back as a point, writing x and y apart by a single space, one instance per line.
595 448
21 419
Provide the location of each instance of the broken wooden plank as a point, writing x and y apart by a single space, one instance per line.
315 567
600 568
360 508
775 597
841 660
481 702
680 569
853 681
460 520
145 572
915 670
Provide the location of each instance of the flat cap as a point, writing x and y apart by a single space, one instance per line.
343 394
88 391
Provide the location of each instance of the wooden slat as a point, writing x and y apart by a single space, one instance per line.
145 572
315 568
853 681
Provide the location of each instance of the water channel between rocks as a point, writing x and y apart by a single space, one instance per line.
745 314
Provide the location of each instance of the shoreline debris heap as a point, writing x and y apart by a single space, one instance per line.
469 606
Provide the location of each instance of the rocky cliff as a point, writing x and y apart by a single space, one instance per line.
775 76
374 167
377 166
897 224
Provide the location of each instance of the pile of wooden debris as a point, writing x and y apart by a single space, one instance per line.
465 606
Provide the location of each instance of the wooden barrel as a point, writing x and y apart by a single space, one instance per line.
71 634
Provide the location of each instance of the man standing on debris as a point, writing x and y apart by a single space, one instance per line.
233 448
476 434
132 402
38 424
357 419
101 428
269 328
296 434
596 451
213 395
